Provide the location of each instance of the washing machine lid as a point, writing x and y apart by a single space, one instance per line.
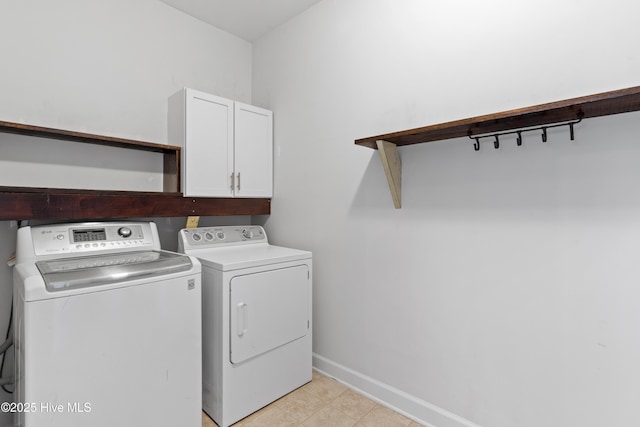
230 258
80 272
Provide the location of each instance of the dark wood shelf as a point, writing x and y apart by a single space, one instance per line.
602 104
171 153
21 203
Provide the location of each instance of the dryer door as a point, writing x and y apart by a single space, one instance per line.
268 309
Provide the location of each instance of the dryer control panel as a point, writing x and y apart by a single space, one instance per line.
217 236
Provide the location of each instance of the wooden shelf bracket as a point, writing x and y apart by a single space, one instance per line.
392 169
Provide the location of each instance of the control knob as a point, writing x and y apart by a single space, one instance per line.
247 233
124 232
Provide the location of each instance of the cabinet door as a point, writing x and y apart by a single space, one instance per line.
253 151
208 148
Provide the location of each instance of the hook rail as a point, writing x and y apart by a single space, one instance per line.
496 136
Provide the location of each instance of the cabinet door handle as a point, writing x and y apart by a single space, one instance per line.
232 182
238 181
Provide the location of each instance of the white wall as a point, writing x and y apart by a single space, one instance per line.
504 292
105 67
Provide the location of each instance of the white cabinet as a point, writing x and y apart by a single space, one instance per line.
227 146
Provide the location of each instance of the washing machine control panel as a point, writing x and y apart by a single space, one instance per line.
227 235
85 238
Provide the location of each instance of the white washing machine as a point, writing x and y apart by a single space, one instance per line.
107 328
256 330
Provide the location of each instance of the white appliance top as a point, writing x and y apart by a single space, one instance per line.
234 247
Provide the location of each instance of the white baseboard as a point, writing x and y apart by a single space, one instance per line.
410 406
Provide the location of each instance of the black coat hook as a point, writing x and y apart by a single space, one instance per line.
572 136
496 136
580 117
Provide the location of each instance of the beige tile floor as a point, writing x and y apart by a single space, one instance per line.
324 402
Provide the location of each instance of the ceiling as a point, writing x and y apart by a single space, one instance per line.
247 19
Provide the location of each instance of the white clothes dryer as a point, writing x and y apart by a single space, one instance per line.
256 331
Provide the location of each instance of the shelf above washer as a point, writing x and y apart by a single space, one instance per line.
18 203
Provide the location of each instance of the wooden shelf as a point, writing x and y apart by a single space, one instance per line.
22 203
171 153
19 203
602 104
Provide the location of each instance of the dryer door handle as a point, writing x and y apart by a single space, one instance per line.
242 318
